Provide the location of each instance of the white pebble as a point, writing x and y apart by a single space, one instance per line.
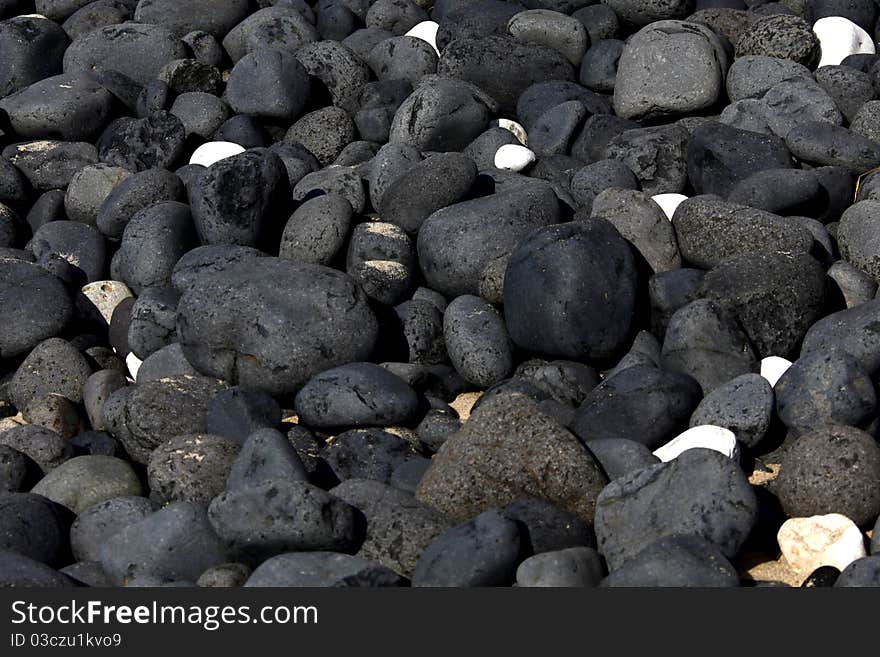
33 16
513 157
515 129
669 203
214 151
426 31
839 38
105 296
707 436
829 540
773 367
134 364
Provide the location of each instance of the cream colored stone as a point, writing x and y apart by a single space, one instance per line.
515 129
829 540
106 295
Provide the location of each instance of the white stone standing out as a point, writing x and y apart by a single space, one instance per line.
707 436
839 38
829 540
513 157
669 203
134 364
426 31
773 367
214 151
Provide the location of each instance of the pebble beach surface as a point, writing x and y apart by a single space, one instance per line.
453 293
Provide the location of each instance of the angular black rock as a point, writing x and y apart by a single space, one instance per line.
702 492
156 141
720 156
679 561
744 405
481 552
153 321
301 517
776 296
641 403
398 527
53 366
705 343
266 455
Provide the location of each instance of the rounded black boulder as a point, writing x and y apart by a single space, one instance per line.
457 243
152 243
477 341
34 526
356 394
135 50
36 306
832 469
272 324
270 84
702 492
502 66
570 291
70 107
176 543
